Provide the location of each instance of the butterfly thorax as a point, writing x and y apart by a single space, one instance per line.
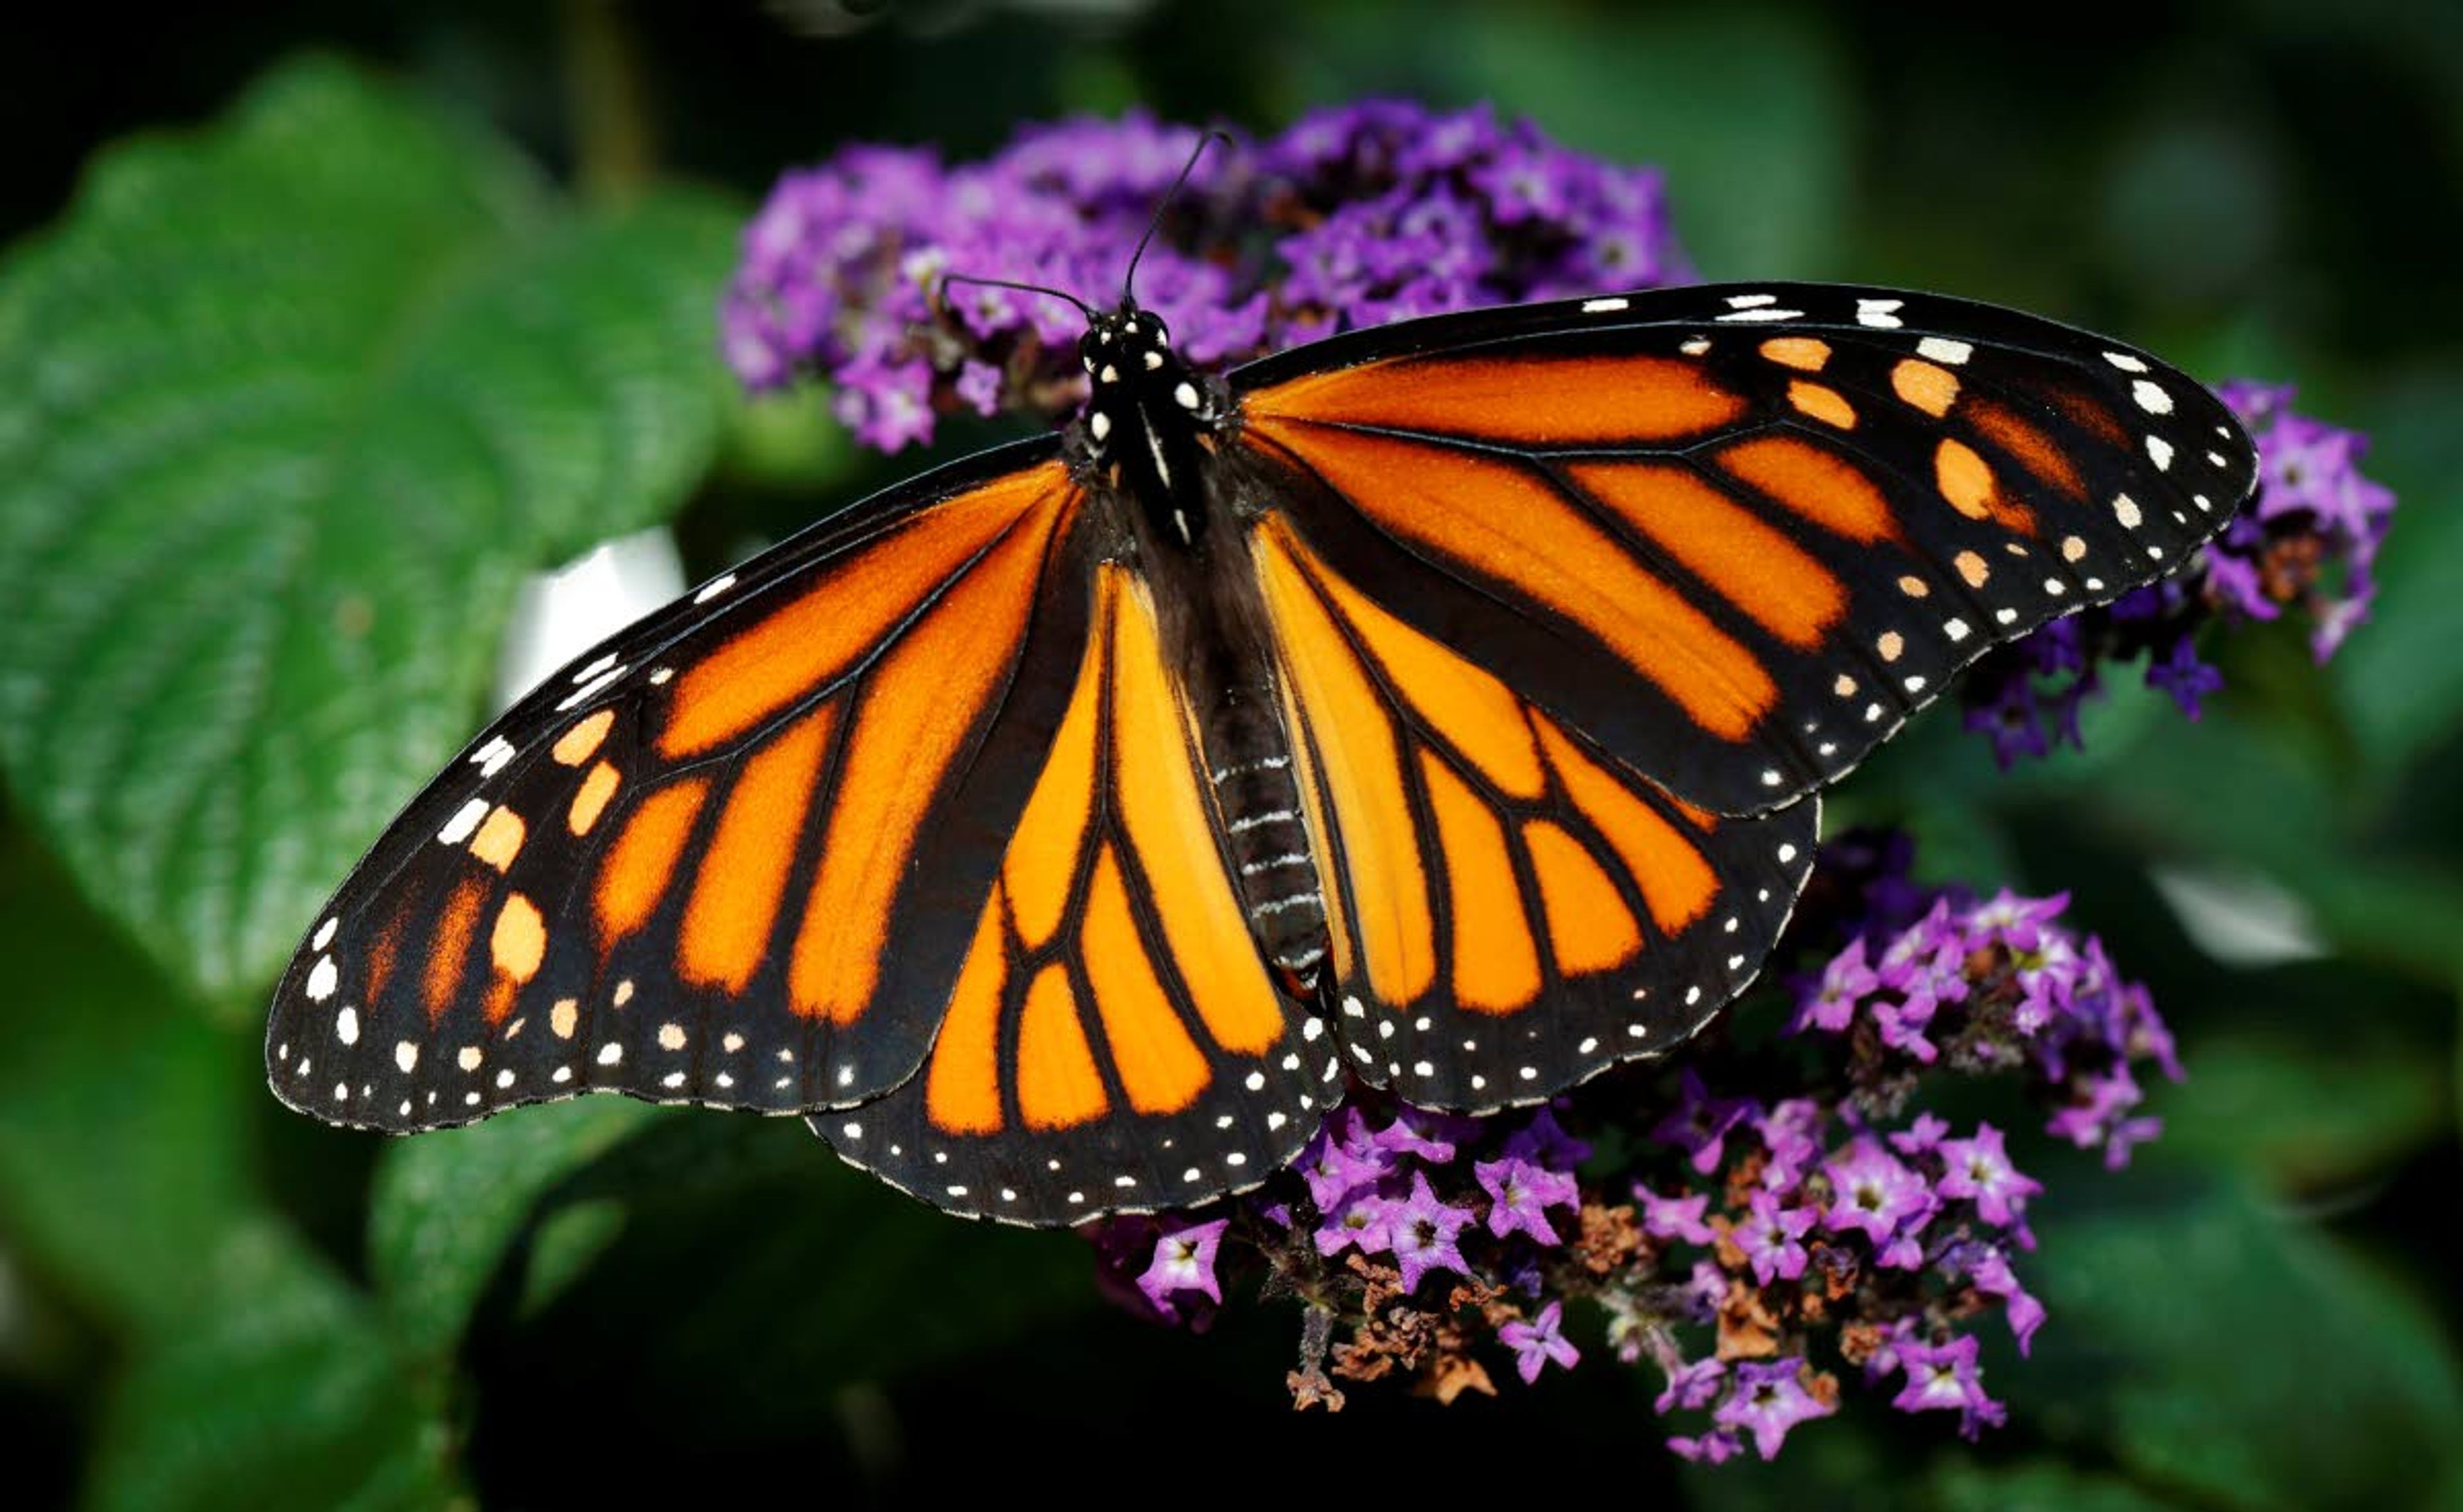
1148 419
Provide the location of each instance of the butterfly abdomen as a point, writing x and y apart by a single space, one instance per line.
1257 791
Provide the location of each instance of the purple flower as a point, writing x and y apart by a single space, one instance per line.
2184 677
1941 1377
1540 1341
1993 1275
1872 1192
1674 1216
1716 1447
1520 1194
1924 1135
1431 1137
1790 1132
1364 1221
1768 1399
1844 983
2008 717
1700 1124
1184 1261
1694 1385
1543 1141
2095 1117
1424 1232
1772 1236
1341 1158
1979 1171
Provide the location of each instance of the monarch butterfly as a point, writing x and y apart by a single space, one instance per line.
1443 704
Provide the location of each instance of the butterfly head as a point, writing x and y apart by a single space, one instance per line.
1126 348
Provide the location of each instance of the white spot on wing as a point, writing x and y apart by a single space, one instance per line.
1879 314
323 978
1606 307
2150 397
2125 361
714 587
1942 349
465 820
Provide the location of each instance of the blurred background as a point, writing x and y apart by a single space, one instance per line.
218 464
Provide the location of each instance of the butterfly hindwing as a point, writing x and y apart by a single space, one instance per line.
1736 537
1114 1040
676 869
1511 909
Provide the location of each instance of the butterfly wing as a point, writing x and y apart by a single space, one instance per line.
1738 536
1115 1042
1579 602
678 869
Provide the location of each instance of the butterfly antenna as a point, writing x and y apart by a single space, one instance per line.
1083 308
1129 280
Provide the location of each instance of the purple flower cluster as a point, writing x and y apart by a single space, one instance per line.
2308 541
1355 215
1773 1246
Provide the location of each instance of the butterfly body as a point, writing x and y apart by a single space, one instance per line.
1441 705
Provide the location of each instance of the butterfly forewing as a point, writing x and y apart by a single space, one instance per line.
1739 537
676 870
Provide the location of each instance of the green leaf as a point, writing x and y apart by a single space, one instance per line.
282 1392
124 1148
448 1207
294 402
2310 1112
2229 1353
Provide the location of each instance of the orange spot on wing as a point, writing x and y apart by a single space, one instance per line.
642 861
499 838
1501 521
1057 1084
1362 773
1478 716
1824 403
962 1088
1928 388
1040 868
1590 929
590 801
919 706
742 874
1161 1067
1171 831
1537 401
1804 354
1750 563
519 942
1676 880
577 745
1496 963
2037 452
797 647
1815 482
450 949
1967 481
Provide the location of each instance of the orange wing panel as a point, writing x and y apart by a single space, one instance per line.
1500 520
1563 400
1751 565
743 876
914 712
804 643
